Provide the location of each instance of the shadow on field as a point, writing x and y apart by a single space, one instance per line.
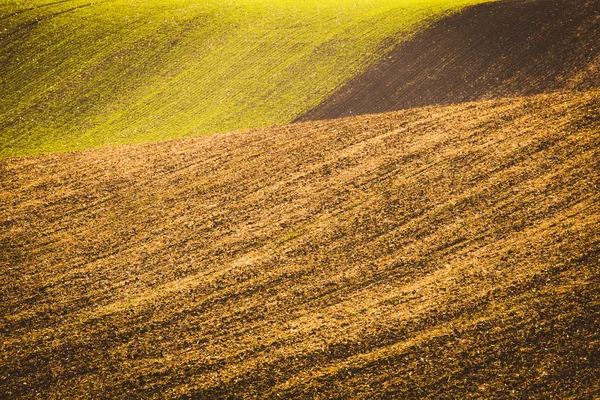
499 49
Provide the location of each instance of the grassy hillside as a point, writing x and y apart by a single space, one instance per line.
78 73
445 252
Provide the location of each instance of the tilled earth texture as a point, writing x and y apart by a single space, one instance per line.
491 50
440 252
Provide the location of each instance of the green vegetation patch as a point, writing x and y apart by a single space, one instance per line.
82 73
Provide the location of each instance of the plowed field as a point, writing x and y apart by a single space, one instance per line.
440 252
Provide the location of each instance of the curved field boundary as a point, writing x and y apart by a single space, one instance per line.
505 48
84 73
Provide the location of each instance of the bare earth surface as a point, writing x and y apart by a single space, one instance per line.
441 252
499 49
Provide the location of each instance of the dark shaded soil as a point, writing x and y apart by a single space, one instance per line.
499 49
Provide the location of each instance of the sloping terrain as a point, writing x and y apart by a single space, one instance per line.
441 252
491 50
76 74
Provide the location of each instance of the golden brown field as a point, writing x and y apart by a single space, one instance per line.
439 252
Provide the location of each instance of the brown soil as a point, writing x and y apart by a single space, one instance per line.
444 252
499 49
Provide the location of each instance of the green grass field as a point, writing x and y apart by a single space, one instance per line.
78 73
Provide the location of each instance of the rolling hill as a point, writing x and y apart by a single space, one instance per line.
76 74
439 241
438 252
491 50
